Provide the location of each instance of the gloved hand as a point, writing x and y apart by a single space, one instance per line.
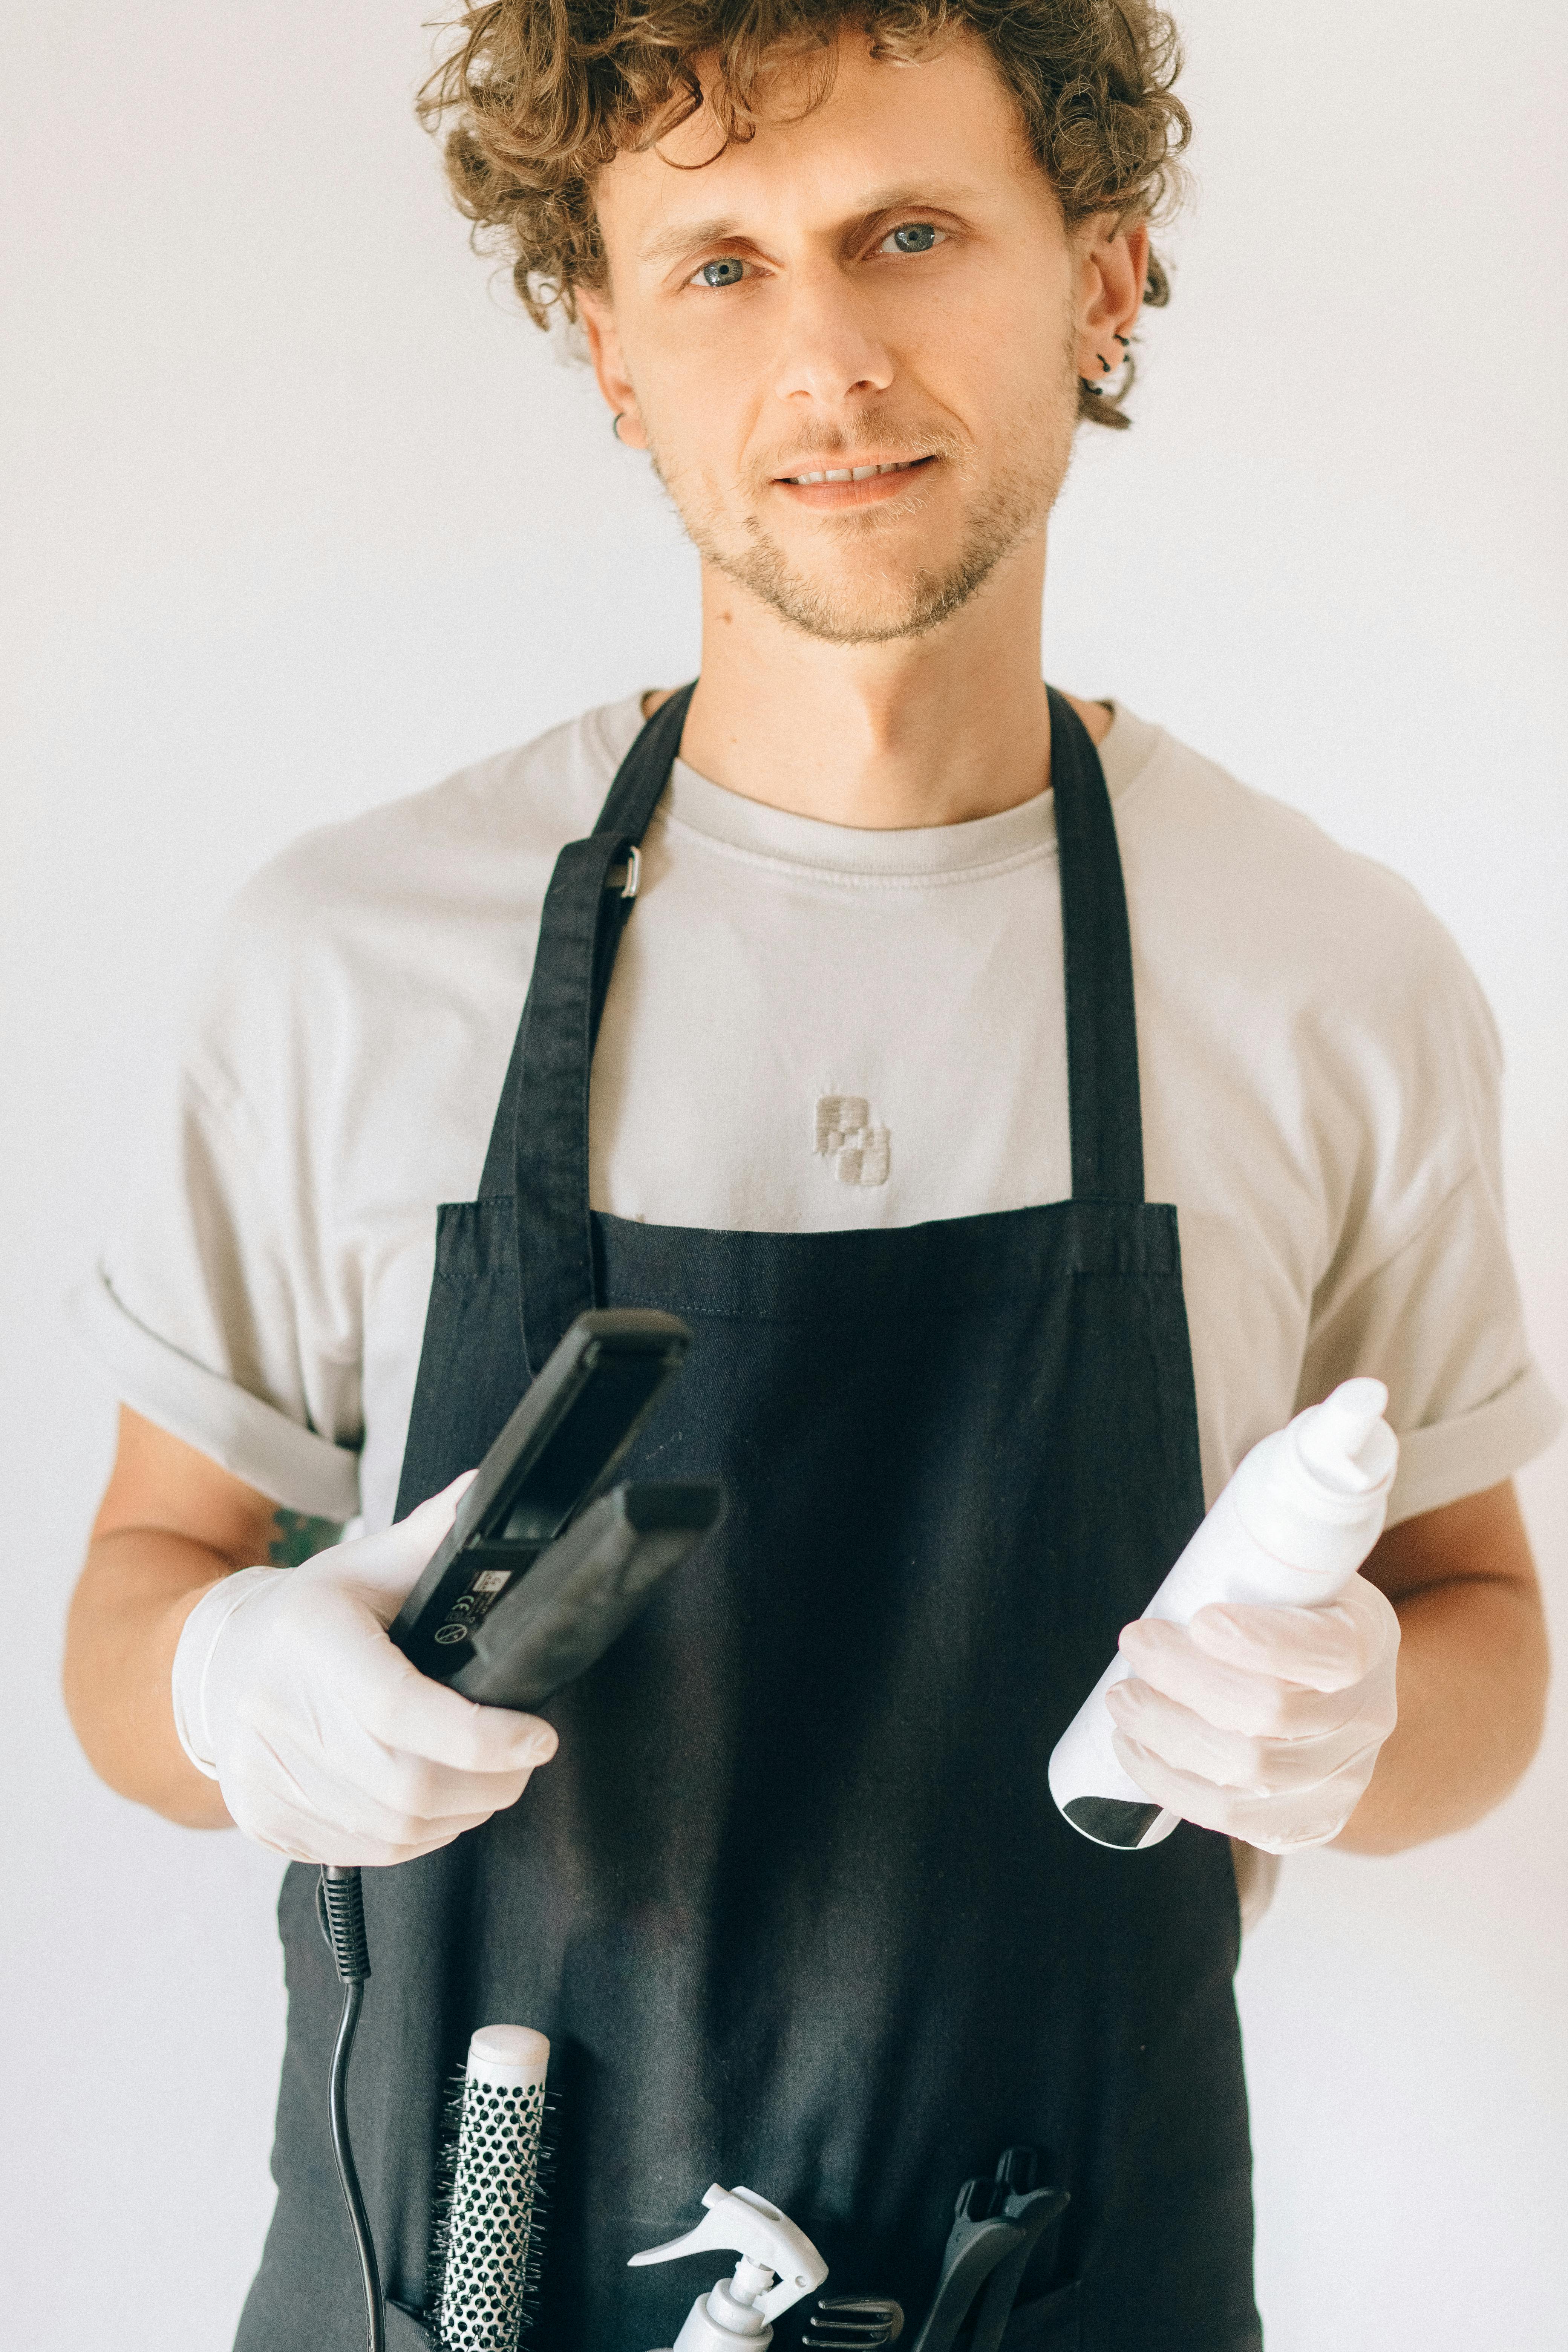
1262 1722
327 1744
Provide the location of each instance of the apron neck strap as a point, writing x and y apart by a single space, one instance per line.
542 1156
643 772
1104 1106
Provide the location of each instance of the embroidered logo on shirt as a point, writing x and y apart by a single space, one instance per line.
842 1132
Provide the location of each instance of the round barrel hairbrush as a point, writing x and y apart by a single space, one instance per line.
488 2225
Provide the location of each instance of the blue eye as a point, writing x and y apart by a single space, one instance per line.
727 272
914 236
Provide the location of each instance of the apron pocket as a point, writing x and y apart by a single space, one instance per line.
1049 2326
405 2330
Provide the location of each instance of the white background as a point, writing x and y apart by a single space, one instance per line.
304 515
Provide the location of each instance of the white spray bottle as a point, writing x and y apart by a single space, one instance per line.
1297 1521
740 2311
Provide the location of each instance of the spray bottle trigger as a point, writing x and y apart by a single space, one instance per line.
769 2243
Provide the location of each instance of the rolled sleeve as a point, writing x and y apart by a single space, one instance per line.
1442 1323
1446 1460
291 1465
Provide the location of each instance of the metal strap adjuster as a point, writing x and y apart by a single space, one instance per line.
633 873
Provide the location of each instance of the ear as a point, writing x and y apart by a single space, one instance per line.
598 320
1114 269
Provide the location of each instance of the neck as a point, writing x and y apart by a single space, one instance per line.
922 731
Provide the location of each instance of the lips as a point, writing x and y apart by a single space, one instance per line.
854 473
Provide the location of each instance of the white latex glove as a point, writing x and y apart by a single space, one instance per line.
1262 1722
327 1744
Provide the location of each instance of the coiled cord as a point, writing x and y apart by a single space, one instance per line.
339 1906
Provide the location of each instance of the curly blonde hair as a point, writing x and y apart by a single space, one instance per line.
540 94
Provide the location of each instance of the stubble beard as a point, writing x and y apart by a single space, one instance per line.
863 600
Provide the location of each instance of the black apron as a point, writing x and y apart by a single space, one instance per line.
793 1902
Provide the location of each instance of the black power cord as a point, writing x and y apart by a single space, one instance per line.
339 1906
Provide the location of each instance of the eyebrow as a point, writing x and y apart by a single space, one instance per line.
684 236
687 236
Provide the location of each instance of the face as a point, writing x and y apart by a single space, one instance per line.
852 343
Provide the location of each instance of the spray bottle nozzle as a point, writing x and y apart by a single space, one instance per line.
778 2265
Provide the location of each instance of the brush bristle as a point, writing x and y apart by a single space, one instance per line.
538 2227
448 2128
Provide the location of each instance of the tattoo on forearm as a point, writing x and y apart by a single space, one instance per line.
296 1536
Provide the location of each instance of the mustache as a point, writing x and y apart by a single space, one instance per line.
895 440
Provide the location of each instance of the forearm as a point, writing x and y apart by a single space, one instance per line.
137 1589
1472 1677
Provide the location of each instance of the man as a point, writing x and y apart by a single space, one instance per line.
868 1108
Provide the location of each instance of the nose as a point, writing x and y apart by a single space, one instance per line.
829 350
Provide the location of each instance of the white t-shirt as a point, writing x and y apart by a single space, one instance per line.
814 1027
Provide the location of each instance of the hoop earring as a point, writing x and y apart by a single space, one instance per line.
1109 367
616 425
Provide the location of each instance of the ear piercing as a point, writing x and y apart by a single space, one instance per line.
1109 367
616 425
